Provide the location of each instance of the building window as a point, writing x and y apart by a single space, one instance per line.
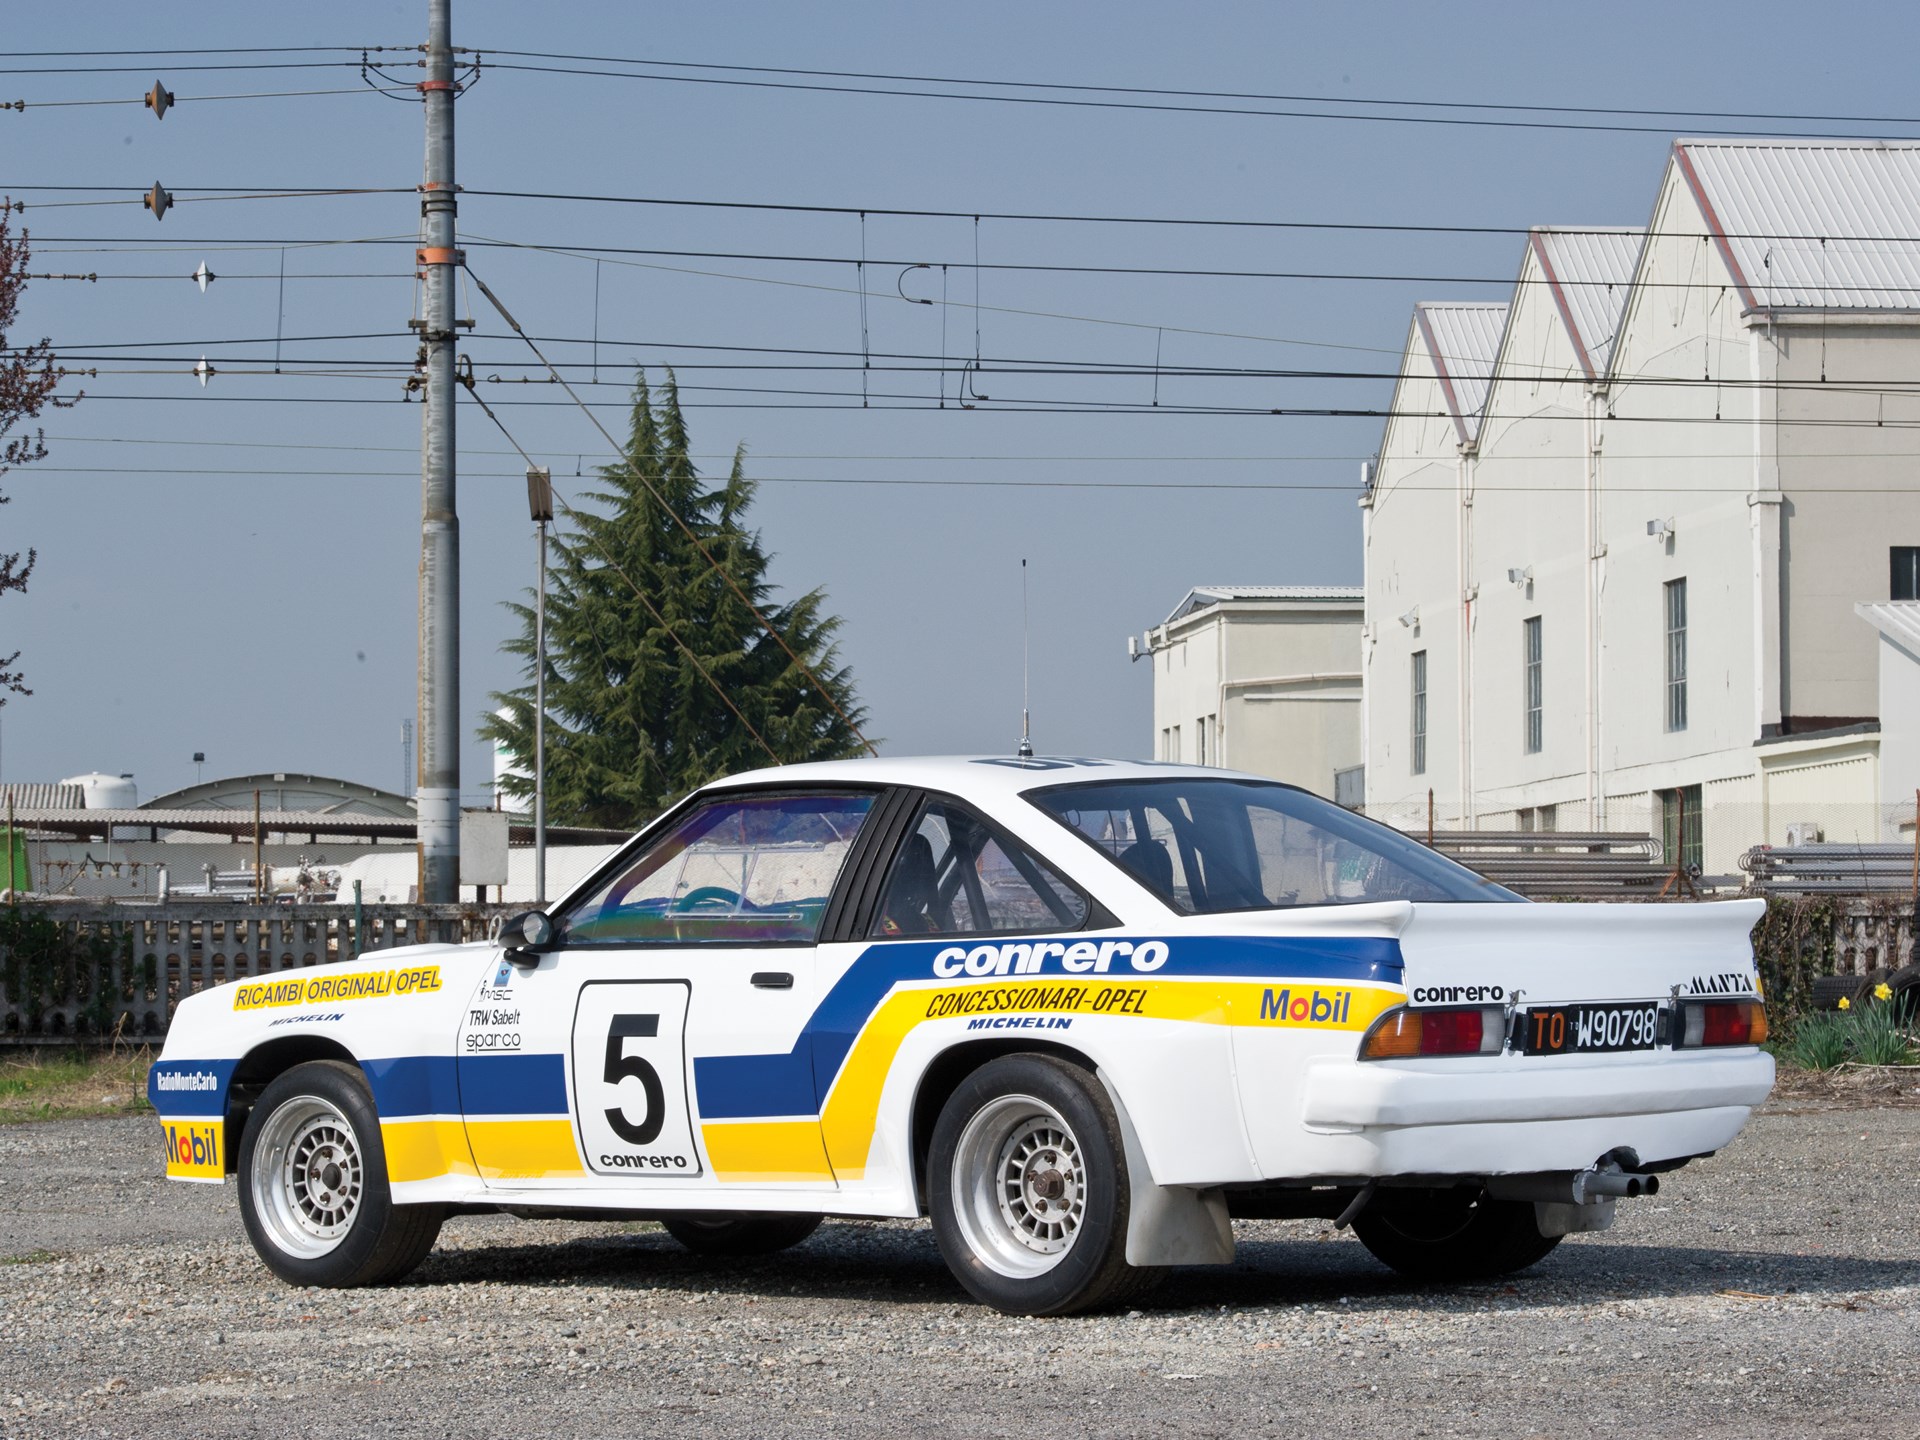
1173 745
1680 825
1676 654
1419 712
1530 648
1904 583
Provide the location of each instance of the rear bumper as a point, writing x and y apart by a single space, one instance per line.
1347 1094
1506 1115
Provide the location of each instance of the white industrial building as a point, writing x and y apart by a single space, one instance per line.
1617 528
1264 678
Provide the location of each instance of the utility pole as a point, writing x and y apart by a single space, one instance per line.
437 794
540 506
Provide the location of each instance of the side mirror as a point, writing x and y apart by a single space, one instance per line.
527 934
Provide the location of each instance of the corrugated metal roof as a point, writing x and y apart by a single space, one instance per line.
1463 341
1202 596
1898 620
1591 272
1812 224
42 796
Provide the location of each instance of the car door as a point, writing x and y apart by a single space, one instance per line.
661 1043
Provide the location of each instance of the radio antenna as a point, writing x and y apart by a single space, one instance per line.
1026 738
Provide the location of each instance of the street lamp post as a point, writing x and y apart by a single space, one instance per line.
540 506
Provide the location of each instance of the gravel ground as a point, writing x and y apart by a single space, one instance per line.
1775 1287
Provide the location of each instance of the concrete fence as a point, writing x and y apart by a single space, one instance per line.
95 973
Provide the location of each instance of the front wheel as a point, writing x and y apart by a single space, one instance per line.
1449 1235
1027 1182
313 1184
726 1233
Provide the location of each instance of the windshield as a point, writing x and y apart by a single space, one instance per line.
1208 844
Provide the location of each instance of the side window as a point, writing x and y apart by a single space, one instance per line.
955 876
1143 839
741 869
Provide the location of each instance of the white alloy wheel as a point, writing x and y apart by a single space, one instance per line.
1019 1186
308 1176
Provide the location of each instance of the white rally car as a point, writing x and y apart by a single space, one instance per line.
1082 1013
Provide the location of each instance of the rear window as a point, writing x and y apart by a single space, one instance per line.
1208 844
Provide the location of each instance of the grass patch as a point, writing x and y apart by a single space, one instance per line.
32 1257
49 1084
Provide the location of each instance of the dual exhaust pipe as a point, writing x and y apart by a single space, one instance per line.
1606 1181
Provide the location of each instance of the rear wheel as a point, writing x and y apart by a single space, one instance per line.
1027 1181
724 1232
1456 1234
313 1184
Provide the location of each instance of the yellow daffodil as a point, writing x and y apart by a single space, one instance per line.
1882 991
1845 1003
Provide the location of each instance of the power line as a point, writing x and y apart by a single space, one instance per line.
1570 492
218 50
1215 94
1111 458
1476 122
1008 216
1026 406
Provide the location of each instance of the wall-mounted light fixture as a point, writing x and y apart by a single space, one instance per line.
1520 578
1660 529
1412 618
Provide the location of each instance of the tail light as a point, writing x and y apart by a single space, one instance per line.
1404 1034
1720 1022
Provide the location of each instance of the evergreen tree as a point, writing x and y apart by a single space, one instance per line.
631 722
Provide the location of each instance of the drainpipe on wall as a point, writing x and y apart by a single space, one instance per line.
1596 551
1469 592
1763 513
1368 469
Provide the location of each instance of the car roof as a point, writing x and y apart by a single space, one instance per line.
966 775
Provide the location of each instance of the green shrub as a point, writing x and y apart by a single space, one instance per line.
1868 1034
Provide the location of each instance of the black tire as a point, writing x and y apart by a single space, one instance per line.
313 1184
1450 1235
1055 1241
729 1233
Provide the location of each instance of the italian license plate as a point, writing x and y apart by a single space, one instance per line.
1589 1029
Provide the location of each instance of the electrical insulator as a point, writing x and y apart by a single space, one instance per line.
204 276
158 99
157 200
203 370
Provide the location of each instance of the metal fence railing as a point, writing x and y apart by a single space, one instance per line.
1830 869
1559 864
73 973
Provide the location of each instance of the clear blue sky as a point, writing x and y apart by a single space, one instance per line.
190 596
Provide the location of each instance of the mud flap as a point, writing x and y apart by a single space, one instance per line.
1169 1224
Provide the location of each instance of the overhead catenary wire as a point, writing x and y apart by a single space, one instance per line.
699 545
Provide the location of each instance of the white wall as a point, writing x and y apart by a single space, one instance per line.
1899 698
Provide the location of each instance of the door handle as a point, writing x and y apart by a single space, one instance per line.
772 980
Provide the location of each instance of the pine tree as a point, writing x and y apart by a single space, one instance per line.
632 724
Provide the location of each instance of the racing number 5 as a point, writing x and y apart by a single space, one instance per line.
621 1066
